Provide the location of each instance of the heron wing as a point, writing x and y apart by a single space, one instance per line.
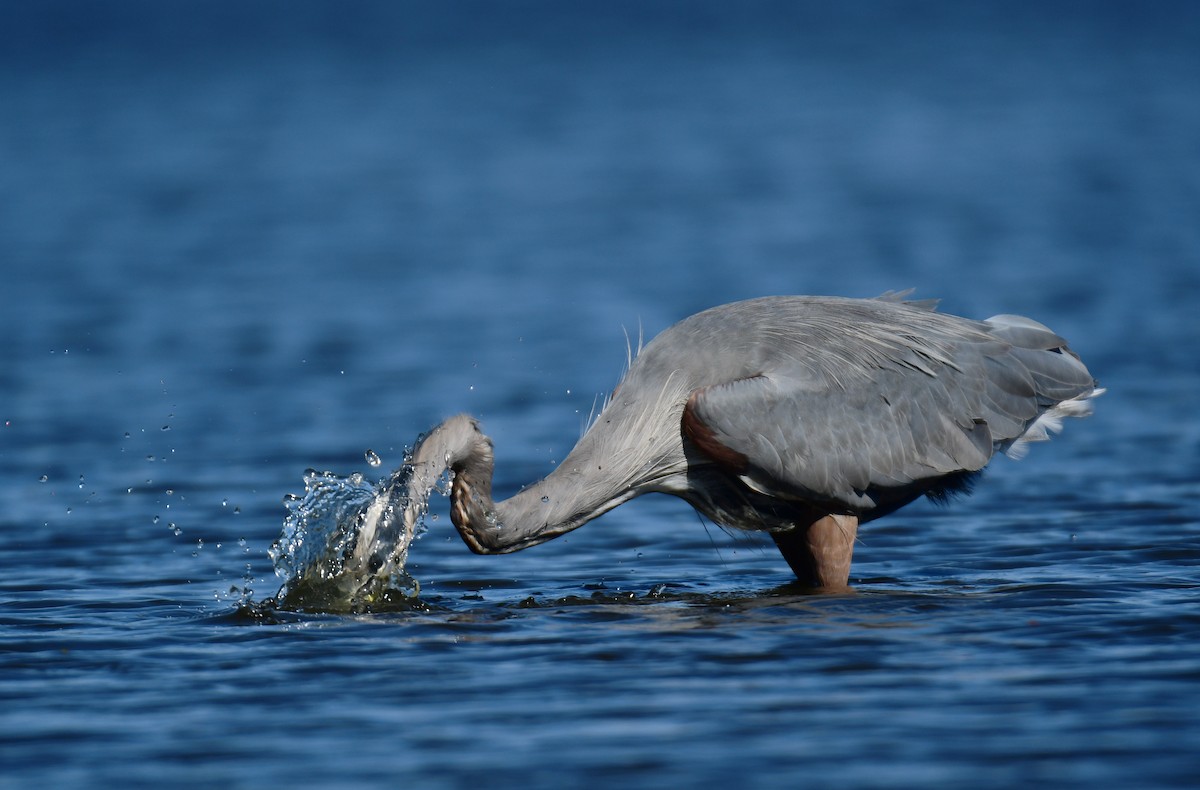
881 410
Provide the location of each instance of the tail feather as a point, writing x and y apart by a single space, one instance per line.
1050 422
1063 386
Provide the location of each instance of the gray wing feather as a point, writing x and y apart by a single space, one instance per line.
1024 332
887 408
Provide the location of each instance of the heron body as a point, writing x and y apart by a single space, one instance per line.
799 416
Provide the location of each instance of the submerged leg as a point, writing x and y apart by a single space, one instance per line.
819 553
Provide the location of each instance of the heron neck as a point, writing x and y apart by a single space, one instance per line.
577 491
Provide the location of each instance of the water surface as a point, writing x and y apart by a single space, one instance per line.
238 244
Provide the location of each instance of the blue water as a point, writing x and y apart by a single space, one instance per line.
237 243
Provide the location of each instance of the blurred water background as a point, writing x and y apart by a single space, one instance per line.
238 240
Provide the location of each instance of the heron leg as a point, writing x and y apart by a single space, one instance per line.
819 553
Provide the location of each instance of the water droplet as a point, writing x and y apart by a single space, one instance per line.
170 491
373 458
175 529
545 499
224 503
237 510
149 457
127 434
166 427
156 519
81 481
44 478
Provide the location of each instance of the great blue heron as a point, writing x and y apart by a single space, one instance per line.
801 416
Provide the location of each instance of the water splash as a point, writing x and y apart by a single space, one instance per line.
345 543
